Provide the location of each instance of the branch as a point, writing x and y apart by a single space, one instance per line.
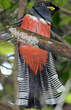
56 47
65 10
44 43
6 58
66 34
6 67
22 7
4 106
58 37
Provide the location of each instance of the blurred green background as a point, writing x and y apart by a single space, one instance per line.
8 15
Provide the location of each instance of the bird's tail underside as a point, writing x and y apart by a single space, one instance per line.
38 90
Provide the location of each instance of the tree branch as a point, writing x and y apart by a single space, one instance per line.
4 106
56 47
64 10
44 43
6 67
22 7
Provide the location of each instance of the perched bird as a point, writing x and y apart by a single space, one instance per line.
38 82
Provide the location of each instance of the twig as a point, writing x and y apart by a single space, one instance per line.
6 67
65 35
60 38
64 10
6 58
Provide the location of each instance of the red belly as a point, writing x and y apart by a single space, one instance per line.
34 57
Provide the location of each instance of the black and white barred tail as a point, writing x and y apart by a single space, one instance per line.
38 90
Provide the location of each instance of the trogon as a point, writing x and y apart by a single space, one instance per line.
38 82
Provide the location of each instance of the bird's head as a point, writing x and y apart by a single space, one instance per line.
45 9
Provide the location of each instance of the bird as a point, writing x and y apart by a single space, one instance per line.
38 82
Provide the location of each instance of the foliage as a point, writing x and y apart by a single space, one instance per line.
5 3
6 48
60 2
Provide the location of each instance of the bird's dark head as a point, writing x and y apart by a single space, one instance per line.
45 9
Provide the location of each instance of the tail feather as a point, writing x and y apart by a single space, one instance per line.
53 75
55 87
23 83
32 88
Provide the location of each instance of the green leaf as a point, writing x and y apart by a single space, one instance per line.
66 20
68 39
1 26
30 4
56 19
60 2
68 98
8 88
6 48
9 91
5 3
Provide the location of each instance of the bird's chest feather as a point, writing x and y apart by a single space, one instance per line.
33 24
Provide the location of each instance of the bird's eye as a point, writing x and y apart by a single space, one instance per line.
42 4
51 8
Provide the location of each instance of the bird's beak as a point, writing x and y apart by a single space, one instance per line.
51 8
